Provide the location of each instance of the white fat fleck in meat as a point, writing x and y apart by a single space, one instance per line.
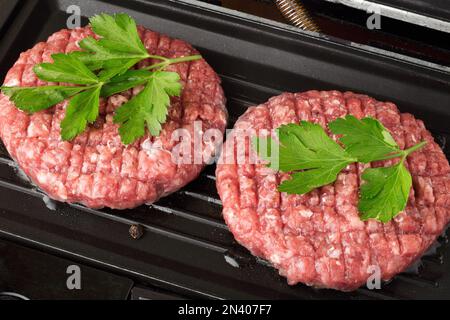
147 145
347 250
30 153
154 149
137 90
355 222
333 102
14 82
93 157
117 100
275 258
51 180
34 130
272 217
306 213
157 152
300 265
334 253
265 171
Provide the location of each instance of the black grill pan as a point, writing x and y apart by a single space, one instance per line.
438 9
6 12
186 243
433 14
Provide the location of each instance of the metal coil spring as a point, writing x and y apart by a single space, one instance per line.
297 14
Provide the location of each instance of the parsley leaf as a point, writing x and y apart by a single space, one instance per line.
119 32
385 193
305 181
149 107
118 50
366 139
82 109
65 68
101 69
34 99
128 80
386 190
98 55
308 148
316 160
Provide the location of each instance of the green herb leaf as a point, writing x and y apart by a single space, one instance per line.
305 181
126 81
148 108
140 76
118 50
110 71
34 99
307 147
103 68
316 160
385 193
119 33
65 68
82 109
99 55
366 139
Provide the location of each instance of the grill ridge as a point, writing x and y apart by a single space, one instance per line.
291 61
418 277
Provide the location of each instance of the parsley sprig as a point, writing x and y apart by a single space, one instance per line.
102 69
306 150
315 160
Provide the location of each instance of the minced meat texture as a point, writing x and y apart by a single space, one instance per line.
96 169
318 238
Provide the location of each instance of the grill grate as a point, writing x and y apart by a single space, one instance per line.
186 245
200 205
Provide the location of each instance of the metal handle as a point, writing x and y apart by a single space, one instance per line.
297 14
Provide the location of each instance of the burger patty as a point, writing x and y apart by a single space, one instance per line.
318 238
96 169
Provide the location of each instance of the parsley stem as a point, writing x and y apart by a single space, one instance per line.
157 57
185 59
392 156
166 62
404 153
415 148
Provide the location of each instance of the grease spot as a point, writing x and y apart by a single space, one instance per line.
49 203
231 261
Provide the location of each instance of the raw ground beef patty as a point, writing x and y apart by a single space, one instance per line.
318 239
96 169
